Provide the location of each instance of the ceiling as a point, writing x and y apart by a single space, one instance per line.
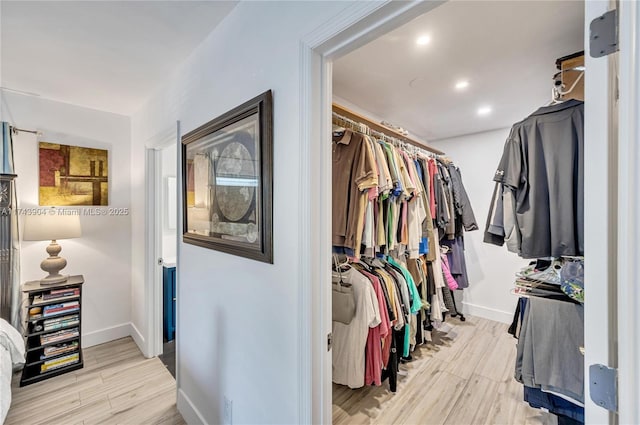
506 50
106 55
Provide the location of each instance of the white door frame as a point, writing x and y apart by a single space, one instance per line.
356 26
153 241
629 214
366 21
600 218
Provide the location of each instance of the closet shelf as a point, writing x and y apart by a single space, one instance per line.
348 113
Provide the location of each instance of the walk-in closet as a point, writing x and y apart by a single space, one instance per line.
458 219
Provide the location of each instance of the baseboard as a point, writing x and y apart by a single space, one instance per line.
139 340
487 313
189 412
105 335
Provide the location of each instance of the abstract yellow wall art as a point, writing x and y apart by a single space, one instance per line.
73 175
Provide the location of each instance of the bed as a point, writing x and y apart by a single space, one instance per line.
11 355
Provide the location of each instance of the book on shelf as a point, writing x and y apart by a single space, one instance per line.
60 362
59 336
63 291
61 319
65 324
56 350
50 310
58 295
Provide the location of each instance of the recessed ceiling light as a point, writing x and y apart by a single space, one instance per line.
423 40
484 110
462 84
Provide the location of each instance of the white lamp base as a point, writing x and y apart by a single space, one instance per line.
53 264
53 279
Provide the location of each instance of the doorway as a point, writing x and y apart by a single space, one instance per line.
167 234
161 247
321 60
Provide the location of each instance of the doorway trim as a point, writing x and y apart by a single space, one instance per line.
628 214
153 228
357 25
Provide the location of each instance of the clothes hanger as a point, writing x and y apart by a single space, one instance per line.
361 263
556 91
338 269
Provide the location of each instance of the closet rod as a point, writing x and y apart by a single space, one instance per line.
348 113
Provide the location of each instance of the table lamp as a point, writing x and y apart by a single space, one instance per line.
52 225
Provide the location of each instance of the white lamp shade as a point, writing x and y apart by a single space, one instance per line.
51 226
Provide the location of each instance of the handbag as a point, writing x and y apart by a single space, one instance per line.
343 301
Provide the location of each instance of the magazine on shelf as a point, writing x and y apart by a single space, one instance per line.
59 325
50 310
41 299
59 336
61 319
62 292
57 350
60 362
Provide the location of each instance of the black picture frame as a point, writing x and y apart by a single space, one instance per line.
227 182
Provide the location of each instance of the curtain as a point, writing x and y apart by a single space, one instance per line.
9 238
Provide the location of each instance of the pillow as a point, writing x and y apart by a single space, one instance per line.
11 339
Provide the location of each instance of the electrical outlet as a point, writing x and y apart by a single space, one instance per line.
228 412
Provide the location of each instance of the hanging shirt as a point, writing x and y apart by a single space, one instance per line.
350 340
461 199
373 359
448 277
353 174
433 170
385 183
393 168
417 215
543 167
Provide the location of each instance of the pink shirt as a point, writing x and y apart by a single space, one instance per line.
451 282
373 357
433 169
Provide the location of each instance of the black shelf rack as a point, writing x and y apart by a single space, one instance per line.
35 349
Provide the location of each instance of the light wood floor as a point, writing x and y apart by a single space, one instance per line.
463 377
116 386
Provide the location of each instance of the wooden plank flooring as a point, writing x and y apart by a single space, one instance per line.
117 385
463 377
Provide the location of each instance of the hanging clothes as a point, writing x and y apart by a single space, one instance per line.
350 339
392 207
353 174
540 178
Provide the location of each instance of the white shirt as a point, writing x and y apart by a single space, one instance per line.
350 340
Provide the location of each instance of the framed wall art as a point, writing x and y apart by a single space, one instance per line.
72 175
227 179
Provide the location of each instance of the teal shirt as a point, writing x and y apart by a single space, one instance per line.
416 303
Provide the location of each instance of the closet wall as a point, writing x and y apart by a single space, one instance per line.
103 253
491 268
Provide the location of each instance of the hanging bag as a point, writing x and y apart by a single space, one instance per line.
343 300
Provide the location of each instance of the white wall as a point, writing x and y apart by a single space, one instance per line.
491 268
103 253
237 318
